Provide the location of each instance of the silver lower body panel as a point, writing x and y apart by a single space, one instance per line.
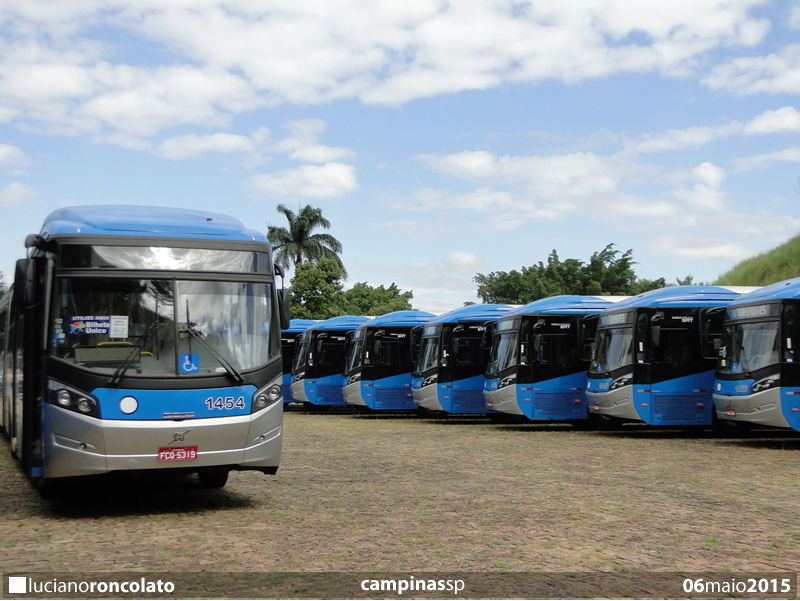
77 445
762 408
616 403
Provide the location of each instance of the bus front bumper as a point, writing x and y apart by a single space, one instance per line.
616 403
763 408
78 445
428 397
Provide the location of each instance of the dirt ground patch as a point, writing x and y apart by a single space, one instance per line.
356 493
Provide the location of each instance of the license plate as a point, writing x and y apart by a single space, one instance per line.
730 412
177 454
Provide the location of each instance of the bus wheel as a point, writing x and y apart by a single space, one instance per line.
727 428
213 479
603 422
426 413
49 488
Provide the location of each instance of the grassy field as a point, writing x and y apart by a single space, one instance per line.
357 493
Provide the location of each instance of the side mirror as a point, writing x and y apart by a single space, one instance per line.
655 335
24 283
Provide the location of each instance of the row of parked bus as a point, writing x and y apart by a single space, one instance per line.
685 356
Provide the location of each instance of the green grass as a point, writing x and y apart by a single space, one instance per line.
780 263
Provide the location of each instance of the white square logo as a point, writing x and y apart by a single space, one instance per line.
16 584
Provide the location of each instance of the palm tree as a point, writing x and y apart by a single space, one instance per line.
292 246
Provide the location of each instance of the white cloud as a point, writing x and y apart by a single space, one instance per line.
706 194
701 248
192 145
794 17
17 194
463 262
220 58
786 119
678 139
790 155
309 181
777 73
11 155
542 188
303 144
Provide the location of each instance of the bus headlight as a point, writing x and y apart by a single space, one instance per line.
625 380
71 399
85 405
266 396
767 383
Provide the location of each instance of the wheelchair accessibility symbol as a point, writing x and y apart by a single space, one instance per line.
189 363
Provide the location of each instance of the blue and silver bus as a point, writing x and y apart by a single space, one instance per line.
289 338
540 355
654 357
380 360
317 378
758 374
143 338
448 375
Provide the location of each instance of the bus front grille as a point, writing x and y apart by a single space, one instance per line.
393 398
556 405
469 401
328 394
678 408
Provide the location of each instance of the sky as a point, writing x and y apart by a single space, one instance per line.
441 139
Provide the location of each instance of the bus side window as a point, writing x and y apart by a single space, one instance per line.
789 331
587 333
711 322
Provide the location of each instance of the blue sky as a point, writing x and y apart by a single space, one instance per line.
440 139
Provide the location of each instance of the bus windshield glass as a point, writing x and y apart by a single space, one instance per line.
355 355
162 258
103 323
613 350
504 352
748 347
428 354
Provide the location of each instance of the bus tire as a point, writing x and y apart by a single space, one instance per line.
426 413
603 422
49 488
727 428
213 479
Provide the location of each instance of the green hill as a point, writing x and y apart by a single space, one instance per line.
780 263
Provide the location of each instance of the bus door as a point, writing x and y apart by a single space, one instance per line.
28 313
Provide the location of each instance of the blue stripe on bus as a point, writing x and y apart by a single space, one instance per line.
172 404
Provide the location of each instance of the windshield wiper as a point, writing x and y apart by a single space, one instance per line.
216 354
116 379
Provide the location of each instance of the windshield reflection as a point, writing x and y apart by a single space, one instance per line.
613 350
748 347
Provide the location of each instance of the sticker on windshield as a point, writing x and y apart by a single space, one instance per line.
118 327
114 326
90 324
189 364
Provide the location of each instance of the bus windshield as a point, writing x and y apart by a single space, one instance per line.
748 347
613 350
428 354
504 352
102 323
